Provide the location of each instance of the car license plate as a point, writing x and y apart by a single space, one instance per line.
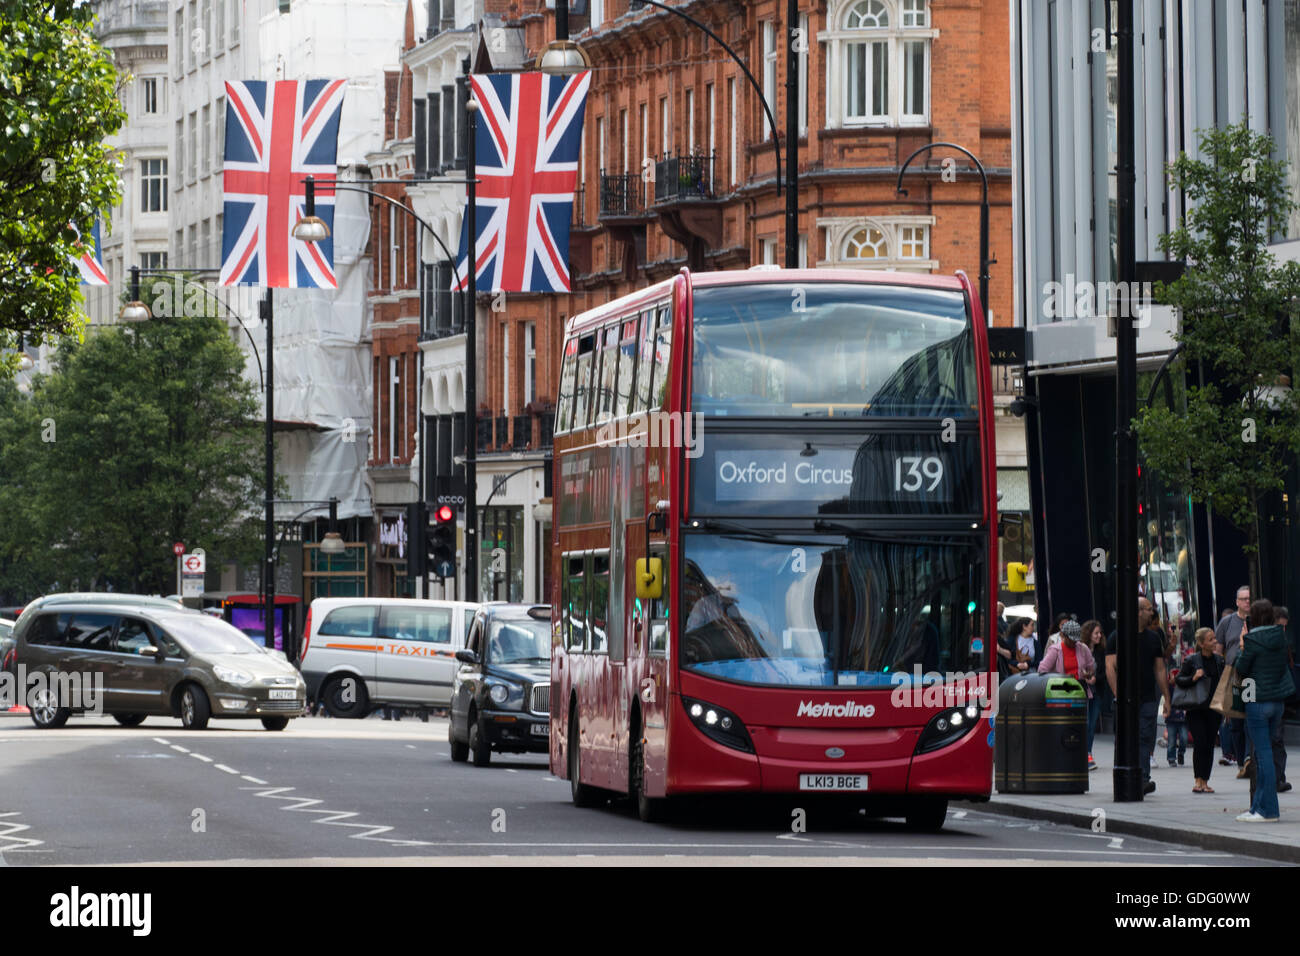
289 694
541 730
833 781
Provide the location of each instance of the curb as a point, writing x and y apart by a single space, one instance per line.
1218 842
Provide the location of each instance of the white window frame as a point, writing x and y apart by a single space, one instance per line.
234 21
642 143
767 252
194 146
207 139
710 117
392 248
152 94
803 75
839 37
665 125
149 176
600 145
393 377
839 229
219 117
530 362
622 135
731 157
690 121
768 32
218 44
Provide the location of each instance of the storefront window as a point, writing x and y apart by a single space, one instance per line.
501 560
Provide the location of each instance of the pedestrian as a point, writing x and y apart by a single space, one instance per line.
1228 632
1055 636
1176 718
1026 646
1002 619
1095 641
1197 678
1071 656
1263 663
1007 663
1282 618
1152 683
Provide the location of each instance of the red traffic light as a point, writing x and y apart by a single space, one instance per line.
444 514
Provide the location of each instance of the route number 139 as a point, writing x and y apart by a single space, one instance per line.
911 472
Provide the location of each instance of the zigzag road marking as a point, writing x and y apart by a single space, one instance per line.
332 817
10 827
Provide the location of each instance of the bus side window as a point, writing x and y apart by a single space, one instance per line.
582 381
660 608
645 367
608 374
575 602
627 349
663 349
564 410
599 619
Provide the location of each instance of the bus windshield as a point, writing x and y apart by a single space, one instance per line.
847 612
824 349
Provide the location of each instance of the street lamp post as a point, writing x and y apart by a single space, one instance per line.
985 262
471 349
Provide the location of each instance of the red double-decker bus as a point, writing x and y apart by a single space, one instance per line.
775 542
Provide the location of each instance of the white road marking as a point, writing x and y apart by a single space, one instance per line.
1116 843
335 817
179 748
7 830
161 741
959 815
222 766
244 776
201 757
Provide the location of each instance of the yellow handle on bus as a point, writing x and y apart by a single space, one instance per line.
1016 576
649 578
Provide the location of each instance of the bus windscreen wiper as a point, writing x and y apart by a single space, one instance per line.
760 534
884 537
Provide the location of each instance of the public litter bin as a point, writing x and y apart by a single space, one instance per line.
1041 744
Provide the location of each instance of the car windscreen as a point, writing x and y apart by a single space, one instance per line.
519 641
206 635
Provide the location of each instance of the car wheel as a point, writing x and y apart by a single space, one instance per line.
346 697
649 809
275 723
927 814
129 720
479 746
45 709
459 750
582 794
195 709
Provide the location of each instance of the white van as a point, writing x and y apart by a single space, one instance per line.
360 653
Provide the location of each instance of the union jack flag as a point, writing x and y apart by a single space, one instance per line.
527 142
276 134
90 263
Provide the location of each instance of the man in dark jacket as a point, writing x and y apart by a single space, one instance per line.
1153 683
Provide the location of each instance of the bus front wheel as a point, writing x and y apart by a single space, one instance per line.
927 814
583 794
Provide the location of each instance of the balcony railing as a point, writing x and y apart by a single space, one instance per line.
621 195
484 437
1006 378
684 177
523 432
580 206
503 431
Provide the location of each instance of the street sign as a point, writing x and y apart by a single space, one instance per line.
194 563
192 586
178 549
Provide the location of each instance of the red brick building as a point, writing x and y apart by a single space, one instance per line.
395 330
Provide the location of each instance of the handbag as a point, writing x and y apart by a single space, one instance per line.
1196 697
1227 694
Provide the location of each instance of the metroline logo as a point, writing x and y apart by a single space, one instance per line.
828 709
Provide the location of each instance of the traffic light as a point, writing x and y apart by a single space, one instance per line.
1016 576
441 542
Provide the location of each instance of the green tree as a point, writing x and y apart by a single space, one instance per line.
1238 309
143 436
58 102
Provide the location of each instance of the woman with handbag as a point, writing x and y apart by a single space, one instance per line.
1195 682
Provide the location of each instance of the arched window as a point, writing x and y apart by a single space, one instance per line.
882 53
865 243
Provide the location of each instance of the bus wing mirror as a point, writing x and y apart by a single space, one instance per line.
649 579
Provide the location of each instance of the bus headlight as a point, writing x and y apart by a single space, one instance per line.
718 724
947 726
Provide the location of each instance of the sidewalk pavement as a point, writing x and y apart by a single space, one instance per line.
1173 812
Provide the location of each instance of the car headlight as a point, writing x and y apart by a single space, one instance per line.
508 696
229 675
